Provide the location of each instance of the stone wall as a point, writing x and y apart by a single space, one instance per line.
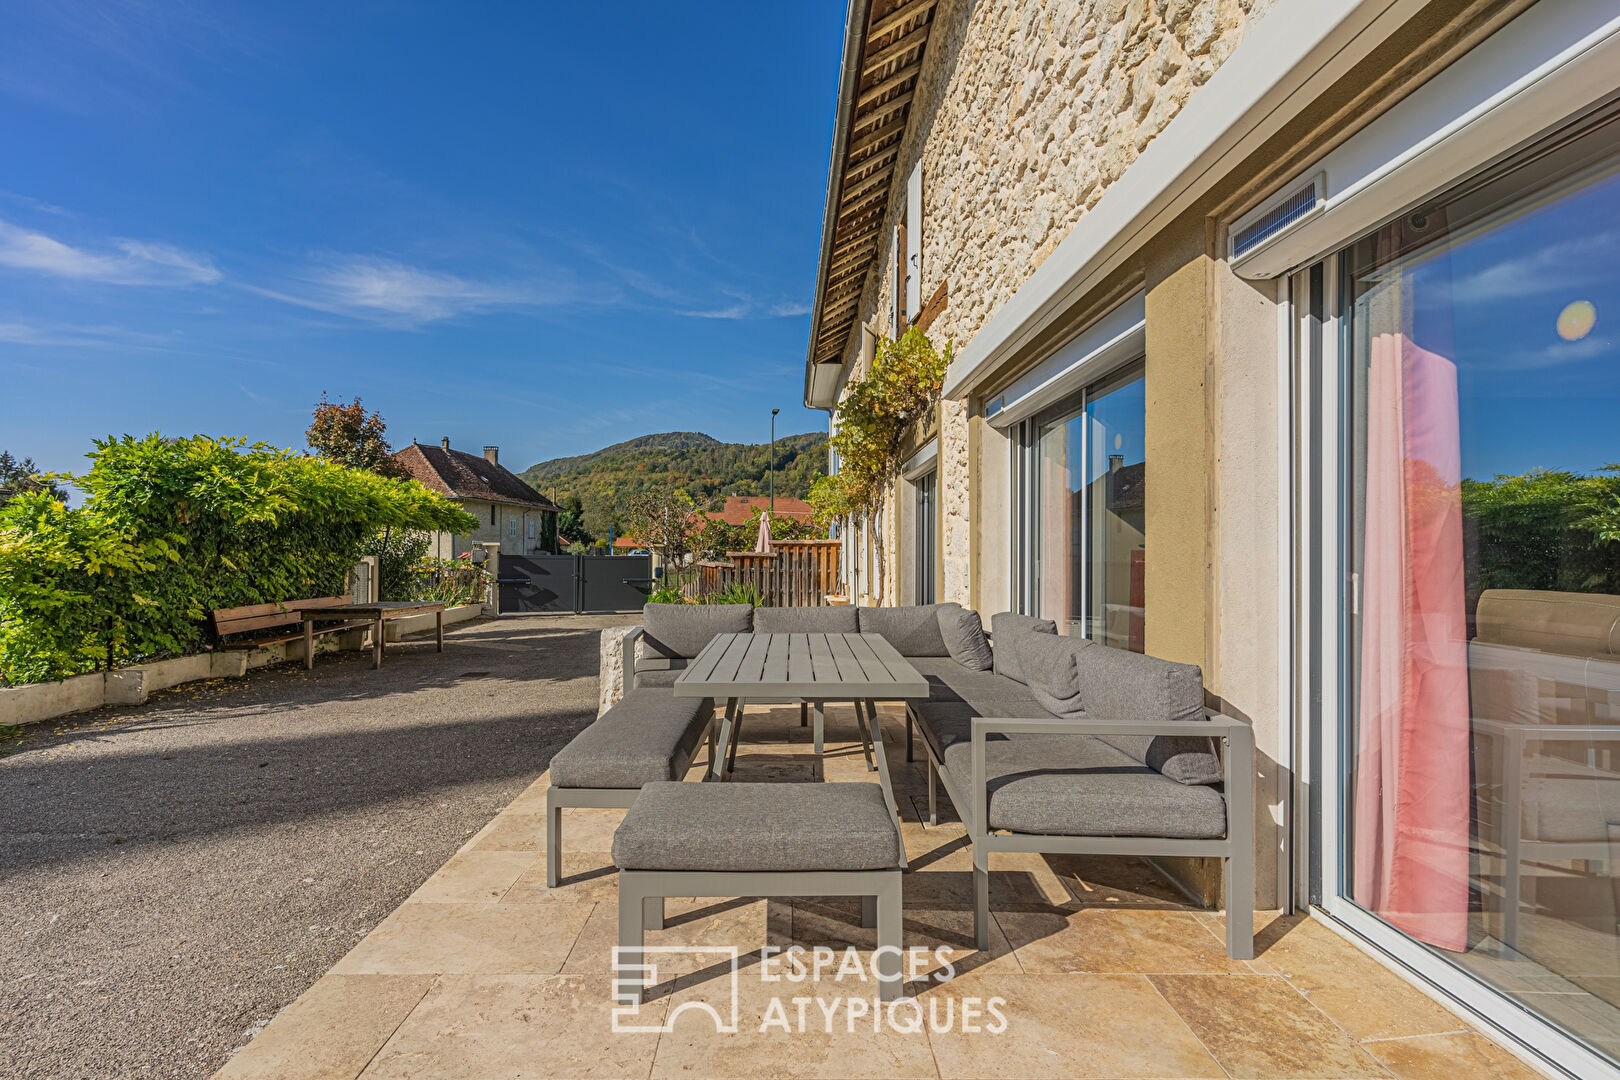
1025 114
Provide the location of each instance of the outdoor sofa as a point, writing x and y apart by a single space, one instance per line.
1044 743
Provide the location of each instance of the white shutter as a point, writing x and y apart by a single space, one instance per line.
897 301
914 235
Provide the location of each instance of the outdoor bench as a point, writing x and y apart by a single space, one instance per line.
757 840
302 614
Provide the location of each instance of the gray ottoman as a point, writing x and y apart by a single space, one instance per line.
757 840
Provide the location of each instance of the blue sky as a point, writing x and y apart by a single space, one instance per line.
546 226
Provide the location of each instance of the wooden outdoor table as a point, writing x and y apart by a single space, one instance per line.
804 667
379 613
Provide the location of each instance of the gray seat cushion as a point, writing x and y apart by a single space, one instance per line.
1076 785
648 736
834 619
758 828
659 677
913 631
1119 685
964 637
681 630
1004 627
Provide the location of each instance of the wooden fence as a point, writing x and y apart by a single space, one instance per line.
799 573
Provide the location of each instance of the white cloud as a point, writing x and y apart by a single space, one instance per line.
395 292
130 262
21 333
1541 271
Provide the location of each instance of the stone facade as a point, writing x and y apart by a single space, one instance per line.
610 682
1025 113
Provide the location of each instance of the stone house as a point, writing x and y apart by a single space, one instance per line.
1241 291
509 511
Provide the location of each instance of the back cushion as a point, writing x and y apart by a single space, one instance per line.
679 631
834 619
964 637
913 631
1052 666
1004 627
1120 685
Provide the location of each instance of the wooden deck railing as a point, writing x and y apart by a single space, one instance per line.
799 573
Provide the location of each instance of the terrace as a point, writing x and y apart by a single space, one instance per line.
1103 968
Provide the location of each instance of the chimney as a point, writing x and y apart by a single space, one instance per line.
492 454
1116 462
445 442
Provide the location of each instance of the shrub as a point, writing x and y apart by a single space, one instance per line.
173 528
449 581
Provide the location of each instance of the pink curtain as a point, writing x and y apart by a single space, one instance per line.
1411 778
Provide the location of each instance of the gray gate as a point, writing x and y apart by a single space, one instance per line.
574 583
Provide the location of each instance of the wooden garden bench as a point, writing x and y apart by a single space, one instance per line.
301 615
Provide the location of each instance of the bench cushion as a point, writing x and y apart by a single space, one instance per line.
834 619
913 630
646 737
1119 685
1049 668
1004 627
964 637
681 630
758 828
1077 785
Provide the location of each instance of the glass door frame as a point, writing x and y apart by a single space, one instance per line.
1322 591
1026 485
925 514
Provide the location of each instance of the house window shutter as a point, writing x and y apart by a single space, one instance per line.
914 234
897 305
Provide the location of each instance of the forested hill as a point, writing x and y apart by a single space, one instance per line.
704 466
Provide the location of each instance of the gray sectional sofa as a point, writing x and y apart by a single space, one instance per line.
1044 742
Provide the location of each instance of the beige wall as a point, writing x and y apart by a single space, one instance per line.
507 517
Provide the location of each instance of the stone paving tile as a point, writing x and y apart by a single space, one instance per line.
332 1030
504 939
1448 1057
497 1026
474 877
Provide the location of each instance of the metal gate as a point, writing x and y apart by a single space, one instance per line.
574 583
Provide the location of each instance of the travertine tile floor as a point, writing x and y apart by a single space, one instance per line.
1100 967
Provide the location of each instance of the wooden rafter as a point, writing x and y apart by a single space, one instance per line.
896 104
890 53
899 78
899 17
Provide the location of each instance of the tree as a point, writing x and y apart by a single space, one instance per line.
666 521
599 516
349 435
24 475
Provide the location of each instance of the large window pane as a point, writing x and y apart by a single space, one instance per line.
1482 614
1085 514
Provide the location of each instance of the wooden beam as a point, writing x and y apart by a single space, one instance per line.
914 40
872 181
860 166
875 137
853 253
898 17
932 309
887 108
843 239
860 206
905 74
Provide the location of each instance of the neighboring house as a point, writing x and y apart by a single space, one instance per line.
507 509
1240 292
739 509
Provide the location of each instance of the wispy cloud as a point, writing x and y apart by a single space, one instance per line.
1541 271
128 262
58 336
394 292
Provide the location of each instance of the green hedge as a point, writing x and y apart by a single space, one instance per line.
171 529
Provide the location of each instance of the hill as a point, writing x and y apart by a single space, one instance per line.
706 467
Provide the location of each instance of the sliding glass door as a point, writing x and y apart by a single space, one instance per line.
1465 381
1082 517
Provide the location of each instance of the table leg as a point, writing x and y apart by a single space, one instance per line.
717 764
866 742
882 765
377 643
438 627
309 644
736 735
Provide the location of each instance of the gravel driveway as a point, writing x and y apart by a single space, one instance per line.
172 875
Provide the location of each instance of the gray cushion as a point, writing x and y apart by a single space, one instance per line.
681 630
964 637
758 828
1119 685
1048 662
833 619
946 723
913 631
1076 785
1004 627
662 678
649 735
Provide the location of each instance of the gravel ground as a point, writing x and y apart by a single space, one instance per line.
172 875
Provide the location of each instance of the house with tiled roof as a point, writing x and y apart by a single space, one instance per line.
739 509
508 510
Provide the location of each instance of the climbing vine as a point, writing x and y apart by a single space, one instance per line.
902 385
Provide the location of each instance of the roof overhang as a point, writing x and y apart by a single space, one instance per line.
884 45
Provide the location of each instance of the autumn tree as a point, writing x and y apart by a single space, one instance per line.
666 521
349 435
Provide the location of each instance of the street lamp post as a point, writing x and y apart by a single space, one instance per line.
773 461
